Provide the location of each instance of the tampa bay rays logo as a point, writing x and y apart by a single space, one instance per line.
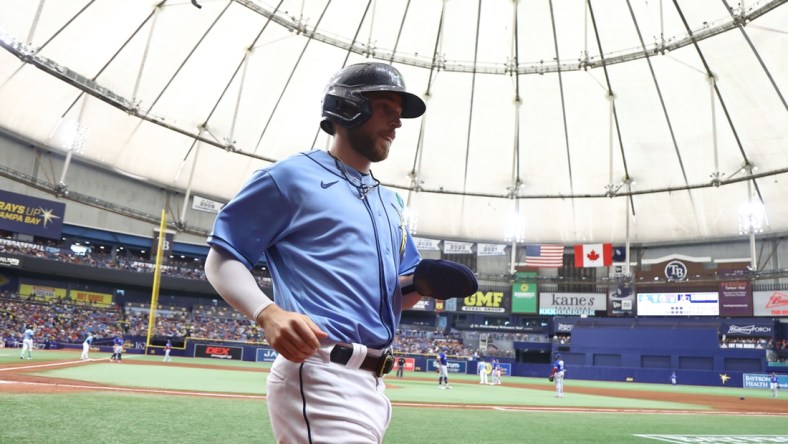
675 270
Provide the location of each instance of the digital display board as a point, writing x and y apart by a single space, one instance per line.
678 304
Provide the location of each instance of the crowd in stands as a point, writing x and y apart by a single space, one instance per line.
54 251
58 320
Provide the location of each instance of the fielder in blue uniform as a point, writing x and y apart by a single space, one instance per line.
117 349
559 369
27 343
443 370
342 261
774 384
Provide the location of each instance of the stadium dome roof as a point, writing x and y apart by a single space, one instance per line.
573 114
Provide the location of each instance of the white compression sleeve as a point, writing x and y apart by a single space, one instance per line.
235 284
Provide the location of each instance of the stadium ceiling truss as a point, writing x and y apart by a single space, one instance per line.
661 121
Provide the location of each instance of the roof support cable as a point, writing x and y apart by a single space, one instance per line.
399 32
309 39
563 104
717 92
517 103
155 13
181 222
716 175
318 131
111 59
188 56
244 62
609 88
661 100
740 22
473 94
34 25
62 28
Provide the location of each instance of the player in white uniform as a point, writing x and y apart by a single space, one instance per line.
342 261
27 343
167 349
86 347
481 367
558 374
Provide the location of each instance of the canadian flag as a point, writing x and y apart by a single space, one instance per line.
593 255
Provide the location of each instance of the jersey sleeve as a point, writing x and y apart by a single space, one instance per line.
252 220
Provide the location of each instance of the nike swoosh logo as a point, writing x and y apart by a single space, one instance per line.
327 184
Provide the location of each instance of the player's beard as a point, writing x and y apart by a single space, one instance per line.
368 145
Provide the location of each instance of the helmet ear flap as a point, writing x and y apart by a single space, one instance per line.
349 110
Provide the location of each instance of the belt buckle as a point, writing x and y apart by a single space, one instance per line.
385 364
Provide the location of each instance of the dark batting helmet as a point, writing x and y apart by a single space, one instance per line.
344 102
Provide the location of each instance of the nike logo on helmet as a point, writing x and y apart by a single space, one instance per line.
327 184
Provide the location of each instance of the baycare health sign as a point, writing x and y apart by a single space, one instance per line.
30 215
484 302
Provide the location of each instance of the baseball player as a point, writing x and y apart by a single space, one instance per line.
774 384
86 347
27 342
673 378
117 349
496 372
167 349
481 367
443 370
400 366
558 375
342 262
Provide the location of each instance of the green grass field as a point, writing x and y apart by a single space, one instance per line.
107 416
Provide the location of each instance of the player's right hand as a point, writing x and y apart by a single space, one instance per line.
293 335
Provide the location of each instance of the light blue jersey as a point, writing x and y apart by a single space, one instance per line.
88 340
29 333
302 214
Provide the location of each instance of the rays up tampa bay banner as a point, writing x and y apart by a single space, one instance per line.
30 215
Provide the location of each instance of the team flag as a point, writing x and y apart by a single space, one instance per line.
593 255
544 256
619 254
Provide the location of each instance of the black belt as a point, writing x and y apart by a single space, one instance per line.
379 365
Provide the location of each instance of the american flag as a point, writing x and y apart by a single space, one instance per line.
544 256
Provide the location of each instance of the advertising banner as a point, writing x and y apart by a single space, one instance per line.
424 304
30 215
11 262
410 365
770 303
678 304
571 303
735 298
452 366
42 291
524 293
89 297
761 381
483 302
8 283
747 329
265 354
218 352
622 300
